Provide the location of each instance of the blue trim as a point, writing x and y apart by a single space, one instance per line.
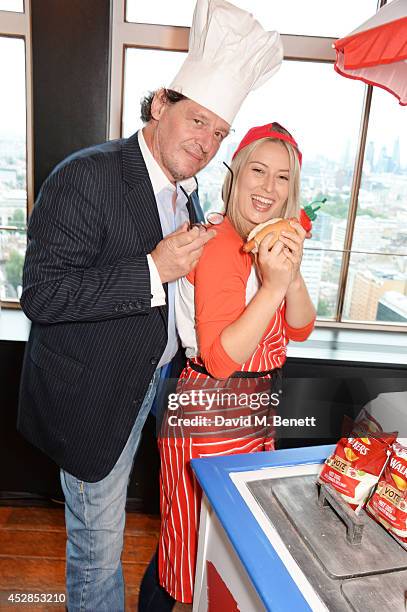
273 583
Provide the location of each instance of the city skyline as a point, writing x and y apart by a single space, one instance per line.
320 108
383 279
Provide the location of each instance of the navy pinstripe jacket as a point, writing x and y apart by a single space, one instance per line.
95 341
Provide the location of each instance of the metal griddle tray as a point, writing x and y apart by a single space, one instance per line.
367 577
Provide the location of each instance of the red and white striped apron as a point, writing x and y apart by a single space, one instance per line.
180 493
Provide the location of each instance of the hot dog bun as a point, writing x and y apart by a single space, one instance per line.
263 229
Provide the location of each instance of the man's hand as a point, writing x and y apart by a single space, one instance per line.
179 252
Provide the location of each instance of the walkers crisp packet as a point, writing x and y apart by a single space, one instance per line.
355 466
388 504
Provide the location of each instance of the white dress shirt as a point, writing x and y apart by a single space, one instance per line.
171 218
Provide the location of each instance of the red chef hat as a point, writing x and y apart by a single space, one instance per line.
266 131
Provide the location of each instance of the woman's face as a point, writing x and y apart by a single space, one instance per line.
263 184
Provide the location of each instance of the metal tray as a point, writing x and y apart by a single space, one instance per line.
345 576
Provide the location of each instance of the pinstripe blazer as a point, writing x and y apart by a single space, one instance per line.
95 341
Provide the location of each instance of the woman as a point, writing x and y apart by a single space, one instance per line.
235 314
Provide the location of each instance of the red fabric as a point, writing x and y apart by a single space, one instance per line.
376 57
369 82
180 503
180 493
217 361
220 281
384 44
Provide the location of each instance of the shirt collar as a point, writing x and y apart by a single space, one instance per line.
158 179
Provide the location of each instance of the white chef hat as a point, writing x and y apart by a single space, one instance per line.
229 55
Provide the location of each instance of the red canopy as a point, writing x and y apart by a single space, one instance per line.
376 52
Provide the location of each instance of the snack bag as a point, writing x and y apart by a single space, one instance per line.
366 425
355 466
388 504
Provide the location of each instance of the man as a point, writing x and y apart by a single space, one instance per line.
98 286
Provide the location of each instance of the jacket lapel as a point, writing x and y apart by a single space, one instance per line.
140 197
142 204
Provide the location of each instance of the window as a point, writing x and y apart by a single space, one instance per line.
353 280
145 71
15 6
316 18
377 280
15 165
166 13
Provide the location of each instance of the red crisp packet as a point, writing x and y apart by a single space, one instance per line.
388 504
355 466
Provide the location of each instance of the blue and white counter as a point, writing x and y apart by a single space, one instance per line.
243 564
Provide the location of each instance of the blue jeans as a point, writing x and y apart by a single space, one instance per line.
95 518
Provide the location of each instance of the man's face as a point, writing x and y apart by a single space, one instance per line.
186 137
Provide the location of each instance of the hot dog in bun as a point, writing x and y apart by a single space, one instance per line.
263 229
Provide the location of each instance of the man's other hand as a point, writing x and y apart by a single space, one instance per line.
178 253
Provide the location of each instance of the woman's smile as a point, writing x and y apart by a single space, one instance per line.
263 184
261 204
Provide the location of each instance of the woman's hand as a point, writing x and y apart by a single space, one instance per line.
293 246
275 268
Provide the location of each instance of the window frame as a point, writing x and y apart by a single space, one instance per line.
18 25
296 47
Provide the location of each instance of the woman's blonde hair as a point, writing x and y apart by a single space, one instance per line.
292 206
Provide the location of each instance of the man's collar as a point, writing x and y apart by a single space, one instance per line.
158 178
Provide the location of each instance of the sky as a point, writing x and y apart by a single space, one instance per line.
12 79
315 17
321 108
12 5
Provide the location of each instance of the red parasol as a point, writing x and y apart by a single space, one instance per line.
376 52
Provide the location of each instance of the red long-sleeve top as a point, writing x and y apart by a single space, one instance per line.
214 295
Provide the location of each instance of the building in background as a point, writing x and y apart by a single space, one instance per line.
392 306
368 287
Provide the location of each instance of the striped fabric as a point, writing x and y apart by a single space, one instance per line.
210 298
216 293
95 341
180 494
